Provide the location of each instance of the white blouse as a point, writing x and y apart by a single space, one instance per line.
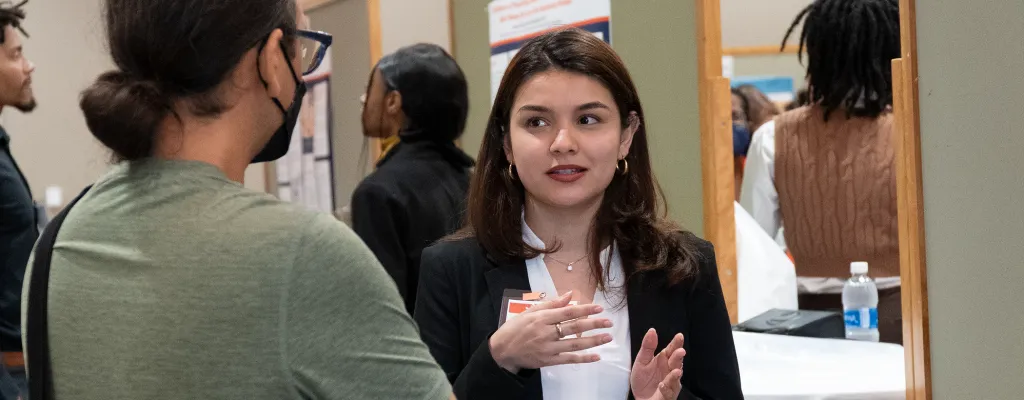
605 379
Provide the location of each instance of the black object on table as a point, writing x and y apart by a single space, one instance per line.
804 323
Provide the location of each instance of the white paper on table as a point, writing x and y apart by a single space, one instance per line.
766 278
779 367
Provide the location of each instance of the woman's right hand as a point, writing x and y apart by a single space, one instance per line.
531 340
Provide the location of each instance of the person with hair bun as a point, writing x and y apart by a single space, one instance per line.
169 279
418 192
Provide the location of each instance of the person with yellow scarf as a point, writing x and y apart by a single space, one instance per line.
416 103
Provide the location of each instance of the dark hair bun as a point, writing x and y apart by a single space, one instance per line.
124 112
170 58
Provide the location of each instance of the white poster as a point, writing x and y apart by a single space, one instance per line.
305 175
728 66
514 22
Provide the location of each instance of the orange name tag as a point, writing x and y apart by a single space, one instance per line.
515 302
533 296
516 307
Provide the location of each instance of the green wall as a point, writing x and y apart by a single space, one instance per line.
665 71
471 50
972 110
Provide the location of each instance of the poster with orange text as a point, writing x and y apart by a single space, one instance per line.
514 22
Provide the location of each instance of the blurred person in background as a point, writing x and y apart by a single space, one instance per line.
18 215
826 171
169 278
417 194
757 106
750 109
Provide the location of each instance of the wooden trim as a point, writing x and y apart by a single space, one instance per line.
716 149
771 50
910 212
376 52
373 17
451 27
451 5
309 5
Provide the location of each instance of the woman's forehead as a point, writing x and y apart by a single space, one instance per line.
558 90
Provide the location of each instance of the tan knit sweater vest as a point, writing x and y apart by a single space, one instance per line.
837 192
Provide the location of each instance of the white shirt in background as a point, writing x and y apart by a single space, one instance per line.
605 379
759 197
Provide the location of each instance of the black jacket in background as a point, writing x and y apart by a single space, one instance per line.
18 233
416 196
459 301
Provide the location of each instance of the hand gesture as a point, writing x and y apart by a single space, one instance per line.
534 338
657 377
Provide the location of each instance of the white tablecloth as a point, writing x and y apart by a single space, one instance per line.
775 367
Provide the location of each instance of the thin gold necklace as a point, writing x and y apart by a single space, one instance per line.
568 266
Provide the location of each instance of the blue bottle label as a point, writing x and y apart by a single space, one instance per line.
866 318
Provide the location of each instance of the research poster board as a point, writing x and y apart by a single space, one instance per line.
514 22
306 174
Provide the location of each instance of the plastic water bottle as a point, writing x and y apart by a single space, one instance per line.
860 304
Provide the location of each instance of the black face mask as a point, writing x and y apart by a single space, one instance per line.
277 147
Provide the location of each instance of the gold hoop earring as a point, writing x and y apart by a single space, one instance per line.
509 174
625 167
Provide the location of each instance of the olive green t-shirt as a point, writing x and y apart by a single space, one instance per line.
170 281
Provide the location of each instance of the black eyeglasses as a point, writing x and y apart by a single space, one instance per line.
313 48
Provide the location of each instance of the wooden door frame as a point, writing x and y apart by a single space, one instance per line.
376 52
910 201
716 148
719 215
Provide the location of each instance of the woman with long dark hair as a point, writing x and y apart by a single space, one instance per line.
564 205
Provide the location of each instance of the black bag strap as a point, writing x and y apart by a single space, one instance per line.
36 329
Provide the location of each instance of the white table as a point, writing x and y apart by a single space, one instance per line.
775 367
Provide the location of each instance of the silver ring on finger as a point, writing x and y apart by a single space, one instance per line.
558 329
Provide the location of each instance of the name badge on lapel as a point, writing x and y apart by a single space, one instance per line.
515 302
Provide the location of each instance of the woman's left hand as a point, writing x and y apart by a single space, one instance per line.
658 377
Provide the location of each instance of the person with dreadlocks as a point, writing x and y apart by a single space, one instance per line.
826 171
18 224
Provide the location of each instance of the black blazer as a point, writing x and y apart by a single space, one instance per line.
459 301
416 196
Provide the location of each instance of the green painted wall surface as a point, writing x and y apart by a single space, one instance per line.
972 110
